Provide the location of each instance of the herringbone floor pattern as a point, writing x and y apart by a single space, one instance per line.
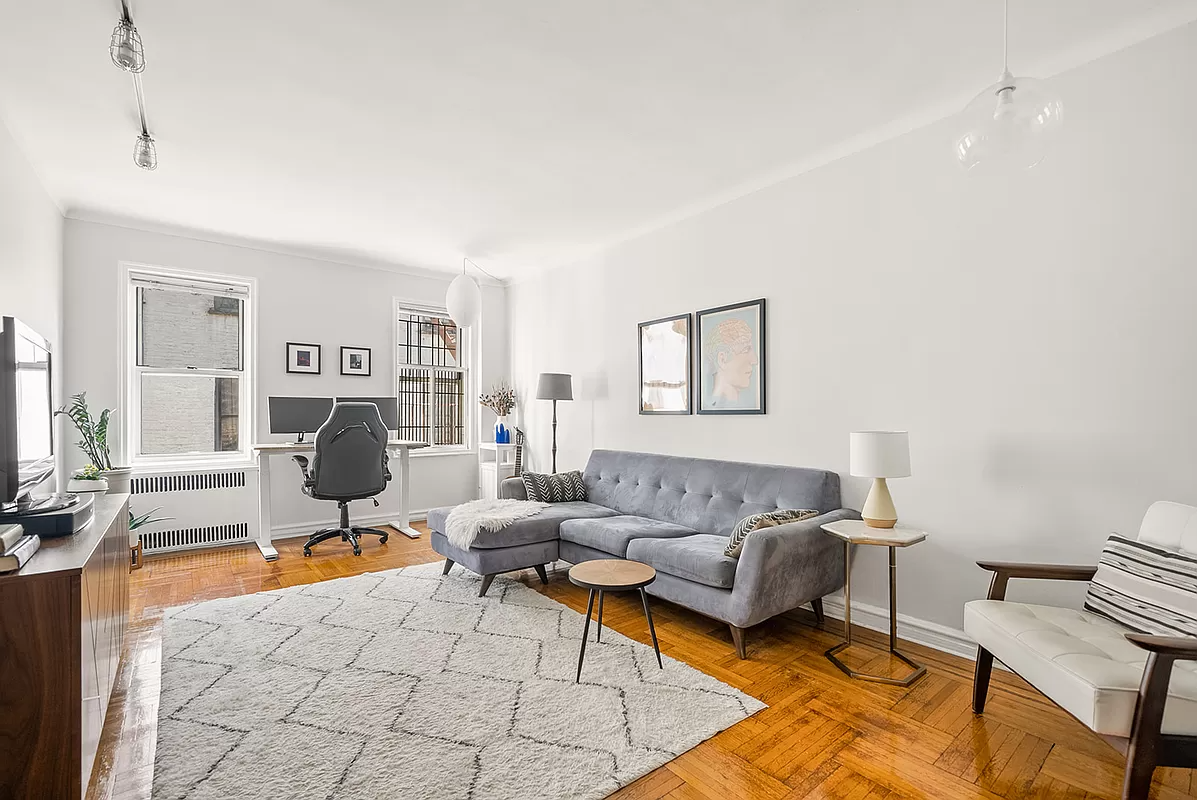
823 735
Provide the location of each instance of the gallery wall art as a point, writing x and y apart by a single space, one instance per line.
665 366
731 357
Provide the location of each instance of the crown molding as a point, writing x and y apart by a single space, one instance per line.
330 256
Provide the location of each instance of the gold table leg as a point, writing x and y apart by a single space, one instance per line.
918 670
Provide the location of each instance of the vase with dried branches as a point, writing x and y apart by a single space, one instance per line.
501 400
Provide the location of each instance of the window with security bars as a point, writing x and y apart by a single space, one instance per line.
188 376
431 378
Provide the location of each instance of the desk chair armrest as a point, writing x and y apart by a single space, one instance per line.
1003 571
303 463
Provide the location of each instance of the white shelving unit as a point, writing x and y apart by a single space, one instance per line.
496 463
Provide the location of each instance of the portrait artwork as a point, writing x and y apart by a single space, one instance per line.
731 352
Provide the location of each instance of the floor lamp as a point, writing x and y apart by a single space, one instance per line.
555 386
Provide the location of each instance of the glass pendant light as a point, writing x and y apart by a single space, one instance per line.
1012 123
125 48
145 154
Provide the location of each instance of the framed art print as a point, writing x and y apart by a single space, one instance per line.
665 366
303 358
731 354
355 361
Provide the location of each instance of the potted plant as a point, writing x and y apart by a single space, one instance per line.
88 479
94 443
501 400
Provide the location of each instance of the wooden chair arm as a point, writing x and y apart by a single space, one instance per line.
1003 571
1183 648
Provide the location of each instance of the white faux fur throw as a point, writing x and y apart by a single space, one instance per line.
464 522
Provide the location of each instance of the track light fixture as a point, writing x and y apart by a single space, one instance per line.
128 54
145 155
125 48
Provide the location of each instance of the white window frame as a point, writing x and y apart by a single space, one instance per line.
219 284
466 366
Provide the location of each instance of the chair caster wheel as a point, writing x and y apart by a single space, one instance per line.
307 553
383 539
357 551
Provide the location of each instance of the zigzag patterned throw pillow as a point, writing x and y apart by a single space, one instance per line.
755 522
564 487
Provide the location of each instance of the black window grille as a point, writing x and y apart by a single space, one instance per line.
431 381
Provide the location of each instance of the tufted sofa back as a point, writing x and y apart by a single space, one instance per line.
707 495
1170 525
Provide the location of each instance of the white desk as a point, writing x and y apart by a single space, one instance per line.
264 452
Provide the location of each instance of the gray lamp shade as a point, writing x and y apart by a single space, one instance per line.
555 386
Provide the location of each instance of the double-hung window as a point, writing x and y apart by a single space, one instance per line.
189 381
432 379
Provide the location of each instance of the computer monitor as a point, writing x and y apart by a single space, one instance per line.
298 414
388 408
26 411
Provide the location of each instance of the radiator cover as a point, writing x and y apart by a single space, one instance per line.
207 508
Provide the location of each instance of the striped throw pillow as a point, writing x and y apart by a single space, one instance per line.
1145 587
754 522
564 487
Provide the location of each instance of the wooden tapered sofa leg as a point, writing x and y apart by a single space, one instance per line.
448 566
981 679
486 581
817 605
738 638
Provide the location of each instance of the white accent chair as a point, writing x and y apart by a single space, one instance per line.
1138 692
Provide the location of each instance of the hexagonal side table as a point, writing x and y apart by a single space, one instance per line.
857 532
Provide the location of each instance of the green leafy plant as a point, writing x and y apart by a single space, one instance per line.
94 443
136 522
89 473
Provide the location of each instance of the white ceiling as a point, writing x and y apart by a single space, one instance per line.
522 133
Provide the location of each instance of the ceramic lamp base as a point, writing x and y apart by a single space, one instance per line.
879 511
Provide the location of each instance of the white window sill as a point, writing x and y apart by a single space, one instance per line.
192 465
430 452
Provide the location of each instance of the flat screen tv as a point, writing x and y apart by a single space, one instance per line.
26 411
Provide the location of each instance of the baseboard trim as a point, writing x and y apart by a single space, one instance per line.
912 629
296 529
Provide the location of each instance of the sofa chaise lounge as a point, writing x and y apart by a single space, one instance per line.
676 514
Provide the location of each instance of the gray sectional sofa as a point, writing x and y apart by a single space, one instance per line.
676 514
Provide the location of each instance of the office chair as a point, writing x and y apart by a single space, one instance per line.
350 463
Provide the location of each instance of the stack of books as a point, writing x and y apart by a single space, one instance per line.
16 548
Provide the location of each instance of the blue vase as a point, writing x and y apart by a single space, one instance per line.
502 432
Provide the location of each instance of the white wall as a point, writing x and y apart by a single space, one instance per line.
299 300
1035 334
30 252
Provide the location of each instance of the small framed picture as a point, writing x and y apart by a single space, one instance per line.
731 353
665 365
303 358
355 361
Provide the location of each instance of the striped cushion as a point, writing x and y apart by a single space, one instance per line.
754 522
1145 587
565 487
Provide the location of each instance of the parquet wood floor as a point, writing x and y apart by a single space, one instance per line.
824 735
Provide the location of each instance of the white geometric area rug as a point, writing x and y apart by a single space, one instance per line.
404 684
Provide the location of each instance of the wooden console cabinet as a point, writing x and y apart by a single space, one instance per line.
62 628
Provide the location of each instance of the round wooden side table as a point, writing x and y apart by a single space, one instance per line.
612 575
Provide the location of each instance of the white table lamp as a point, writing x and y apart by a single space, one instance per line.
879 455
